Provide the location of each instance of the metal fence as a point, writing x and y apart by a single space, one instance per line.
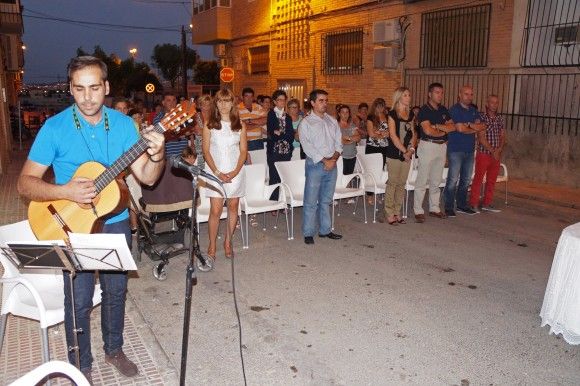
551 34
342 52
531 102
454 38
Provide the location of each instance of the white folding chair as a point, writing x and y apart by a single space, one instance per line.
41 372
342 190
257 198
36 295
293 178
375 176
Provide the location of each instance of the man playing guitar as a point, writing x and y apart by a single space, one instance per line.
89 131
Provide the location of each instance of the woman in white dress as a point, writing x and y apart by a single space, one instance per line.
225 149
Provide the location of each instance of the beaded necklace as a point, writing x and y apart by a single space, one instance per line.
79 129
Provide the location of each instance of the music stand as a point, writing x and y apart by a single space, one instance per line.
82 252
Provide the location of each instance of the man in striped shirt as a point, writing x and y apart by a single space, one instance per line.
489 150
254 117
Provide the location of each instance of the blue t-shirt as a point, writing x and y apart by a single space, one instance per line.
460 142
61 145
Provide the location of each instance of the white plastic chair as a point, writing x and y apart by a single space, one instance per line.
375 176
295 154
203 209
410 184
293 178
36 295
257 198
342 190
503 177
258 156
41 372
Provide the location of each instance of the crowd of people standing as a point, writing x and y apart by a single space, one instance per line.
430 135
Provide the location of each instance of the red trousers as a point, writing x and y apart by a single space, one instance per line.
488 167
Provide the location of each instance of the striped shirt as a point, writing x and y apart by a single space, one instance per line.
255 113
495 127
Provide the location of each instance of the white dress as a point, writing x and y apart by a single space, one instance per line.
224 147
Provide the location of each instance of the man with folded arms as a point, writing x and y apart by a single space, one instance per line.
435 124
460 151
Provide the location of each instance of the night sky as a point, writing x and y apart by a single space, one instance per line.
50 44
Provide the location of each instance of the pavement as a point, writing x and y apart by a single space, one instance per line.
452 302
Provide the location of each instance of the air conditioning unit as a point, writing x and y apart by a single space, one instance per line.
219 50
386 31
386 57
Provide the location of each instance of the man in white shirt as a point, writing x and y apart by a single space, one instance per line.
321 140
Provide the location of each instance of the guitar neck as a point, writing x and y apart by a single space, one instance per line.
105 178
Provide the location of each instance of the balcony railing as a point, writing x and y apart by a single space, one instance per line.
11 23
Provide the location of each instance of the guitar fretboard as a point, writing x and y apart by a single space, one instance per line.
125 160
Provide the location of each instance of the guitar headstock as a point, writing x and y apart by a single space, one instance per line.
177 122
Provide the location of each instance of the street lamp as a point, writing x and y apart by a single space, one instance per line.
23 47
133 52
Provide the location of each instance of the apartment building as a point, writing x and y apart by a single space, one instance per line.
526 51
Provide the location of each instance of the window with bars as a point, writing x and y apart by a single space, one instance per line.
551 34
456 37
342 52
205 5
259 60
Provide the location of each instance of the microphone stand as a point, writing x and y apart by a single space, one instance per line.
190 278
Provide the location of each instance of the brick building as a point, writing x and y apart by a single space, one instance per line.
526 51
12 62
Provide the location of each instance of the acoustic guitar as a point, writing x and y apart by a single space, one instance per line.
53 220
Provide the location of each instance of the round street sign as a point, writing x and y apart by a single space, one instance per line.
227 74
150 88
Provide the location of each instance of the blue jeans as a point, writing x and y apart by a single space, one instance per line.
318 192
458 179
114 289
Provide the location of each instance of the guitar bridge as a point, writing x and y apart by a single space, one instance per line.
65 228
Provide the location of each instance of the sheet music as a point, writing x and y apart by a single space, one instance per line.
102 251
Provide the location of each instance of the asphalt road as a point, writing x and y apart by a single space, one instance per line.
447 302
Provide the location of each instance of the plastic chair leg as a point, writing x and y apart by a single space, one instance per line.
45 349
3 320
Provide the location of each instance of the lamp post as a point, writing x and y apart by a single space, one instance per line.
133 52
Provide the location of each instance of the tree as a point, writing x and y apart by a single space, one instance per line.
125 76
206 72
168 59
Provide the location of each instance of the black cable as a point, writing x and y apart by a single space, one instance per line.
231 237
85 23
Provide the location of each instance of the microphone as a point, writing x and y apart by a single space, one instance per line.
178 162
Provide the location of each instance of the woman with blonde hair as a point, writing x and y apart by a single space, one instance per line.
403 138
225 149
